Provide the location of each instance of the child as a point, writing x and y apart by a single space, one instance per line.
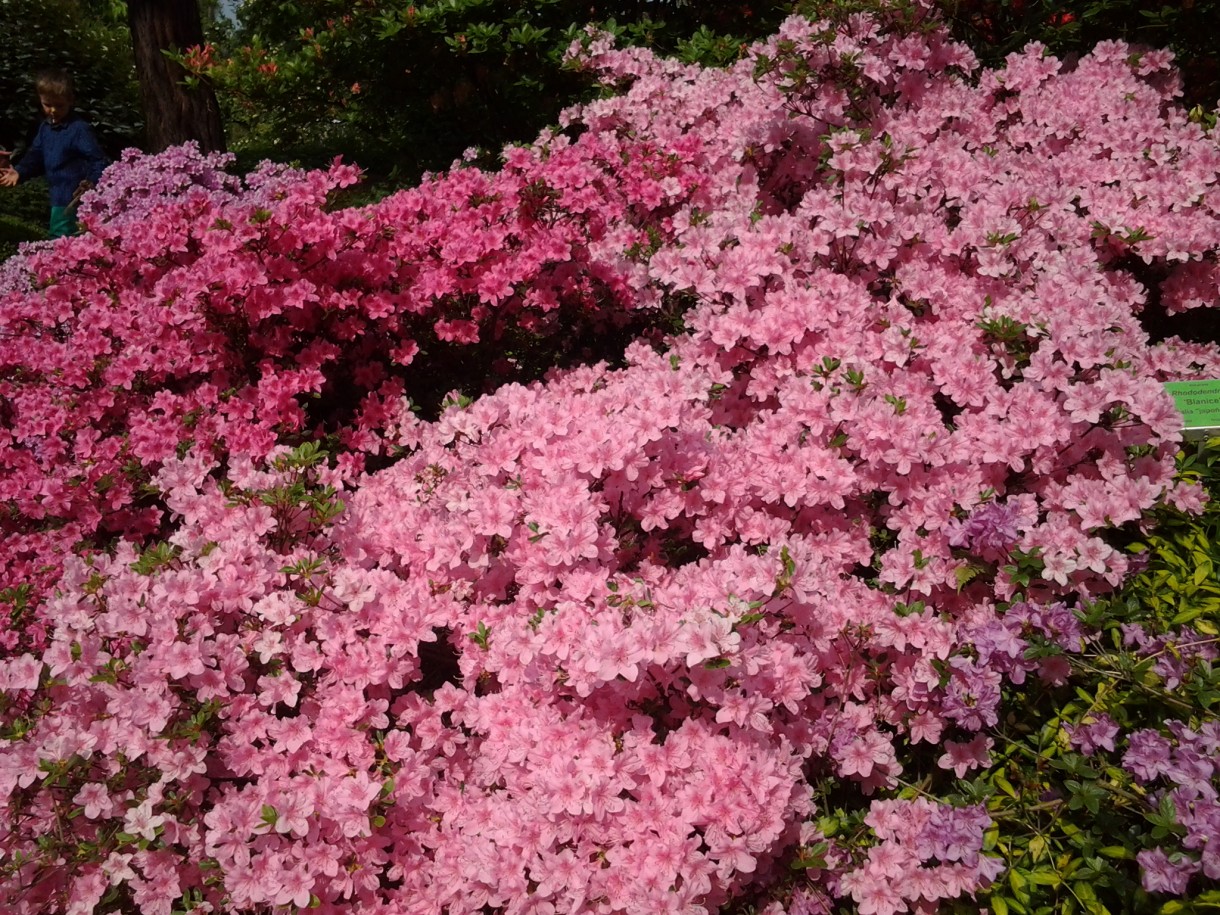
65 150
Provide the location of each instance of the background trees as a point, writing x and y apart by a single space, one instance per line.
405 86
401 87
175 111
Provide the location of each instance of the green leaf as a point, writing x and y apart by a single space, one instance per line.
1043 877
1088 898
1004 785
481 636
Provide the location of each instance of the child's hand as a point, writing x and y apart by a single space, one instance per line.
9 177
81 189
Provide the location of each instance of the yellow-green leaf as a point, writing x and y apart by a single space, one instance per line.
1088 898
1191 613
1037 848
1017 881
1004 785
1203 571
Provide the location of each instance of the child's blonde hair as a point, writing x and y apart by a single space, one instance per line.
54 83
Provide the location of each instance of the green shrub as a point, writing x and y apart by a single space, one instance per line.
93 44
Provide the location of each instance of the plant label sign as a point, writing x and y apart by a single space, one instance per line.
1199 403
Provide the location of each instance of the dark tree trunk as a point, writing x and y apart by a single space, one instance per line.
173 113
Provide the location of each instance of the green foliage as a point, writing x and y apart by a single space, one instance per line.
402 87
300 500
89 38
23 215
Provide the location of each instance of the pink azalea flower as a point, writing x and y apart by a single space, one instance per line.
962 757
141 821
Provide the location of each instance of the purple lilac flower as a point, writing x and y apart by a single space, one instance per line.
956 833
989 527
1191 770
972 695
999 645
1200 815
131 187
1147 755
1055 621
1097 732
1209 738
810 902
1161 873
1135 636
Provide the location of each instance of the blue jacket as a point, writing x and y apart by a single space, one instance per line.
67 153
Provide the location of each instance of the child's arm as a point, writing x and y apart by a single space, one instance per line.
91 151
32 163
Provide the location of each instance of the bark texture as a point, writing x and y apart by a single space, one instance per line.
173 112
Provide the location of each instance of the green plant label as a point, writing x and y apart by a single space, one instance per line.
1199 403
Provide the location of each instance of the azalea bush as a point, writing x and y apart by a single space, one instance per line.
204 311
742 615
1102 783
1000 27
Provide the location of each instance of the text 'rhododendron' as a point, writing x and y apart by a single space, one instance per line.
596 643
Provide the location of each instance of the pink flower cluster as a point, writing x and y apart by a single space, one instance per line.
202 311
588 644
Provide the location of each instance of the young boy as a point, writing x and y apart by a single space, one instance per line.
65 150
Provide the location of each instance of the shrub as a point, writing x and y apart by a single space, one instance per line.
1104 793
729 622
200 310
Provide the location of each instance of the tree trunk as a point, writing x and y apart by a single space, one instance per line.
173 113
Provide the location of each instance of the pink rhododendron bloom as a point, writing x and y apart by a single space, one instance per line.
593 639
141 821
962 757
